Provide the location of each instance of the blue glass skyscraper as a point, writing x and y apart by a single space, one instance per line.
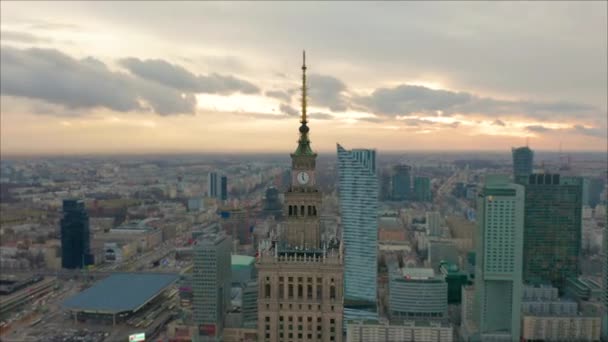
358 190
75 240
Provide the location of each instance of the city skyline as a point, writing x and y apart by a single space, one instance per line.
146 85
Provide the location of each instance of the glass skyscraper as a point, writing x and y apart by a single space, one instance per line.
358 191
499 250
212 185
75 240
211 284
523 161
401 181
552 233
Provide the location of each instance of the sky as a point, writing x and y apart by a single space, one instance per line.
225 77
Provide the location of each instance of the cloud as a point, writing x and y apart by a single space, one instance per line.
278 94
598 132
498 122
406 100
327 91
23 37
537 128
177 77
50 75
288 110
321 116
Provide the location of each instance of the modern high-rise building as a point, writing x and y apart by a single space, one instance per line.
300 287
250 305
401 182
358 193
552 228
433 223
235 222
272 203
211 284
223 193
422 189
499 251
523 161
75 239
212 185
605 284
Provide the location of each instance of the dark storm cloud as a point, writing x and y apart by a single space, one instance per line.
177 77
327 91
23 37
288 110
278 94
50 75
498 123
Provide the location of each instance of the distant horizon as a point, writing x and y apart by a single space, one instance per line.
285 154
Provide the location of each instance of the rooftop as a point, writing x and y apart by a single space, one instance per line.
120 292
242 260
418 273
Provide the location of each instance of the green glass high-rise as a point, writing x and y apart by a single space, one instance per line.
552 228
422 189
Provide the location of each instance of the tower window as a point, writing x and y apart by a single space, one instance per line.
290 211
332 292
302 210
267 290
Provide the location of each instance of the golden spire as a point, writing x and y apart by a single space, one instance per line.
304 87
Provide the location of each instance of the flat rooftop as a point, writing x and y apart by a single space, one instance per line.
120 292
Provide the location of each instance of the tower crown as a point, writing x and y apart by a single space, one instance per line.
303 142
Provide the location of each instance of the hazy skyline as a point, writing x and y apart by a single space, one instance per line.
224 77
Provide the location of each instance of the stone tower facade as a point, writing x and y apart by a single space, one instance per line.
300 277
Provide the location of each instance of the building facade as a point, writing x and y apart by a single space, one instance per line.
422 189
406 331
417 293
499 251
523 161
212 185
75 238
358 192
552 232
300 282
401 183
223 193
211 284
433 223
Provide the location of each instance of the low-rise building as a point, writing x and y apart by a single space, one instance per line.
416 293
405 331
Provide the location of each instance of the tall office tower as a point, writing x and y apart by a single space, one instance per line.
235 222
358 192
212 185
300 276
552 228
499 250
75 240
211 284
385 185
422 189
605 285
272 203
433 223
401 183
250 305
223 194
523 161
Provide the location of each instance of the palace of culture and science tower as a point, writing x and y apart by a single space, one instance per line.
300 276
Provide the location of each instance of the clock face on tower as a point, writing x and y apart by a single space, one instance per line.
303 178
